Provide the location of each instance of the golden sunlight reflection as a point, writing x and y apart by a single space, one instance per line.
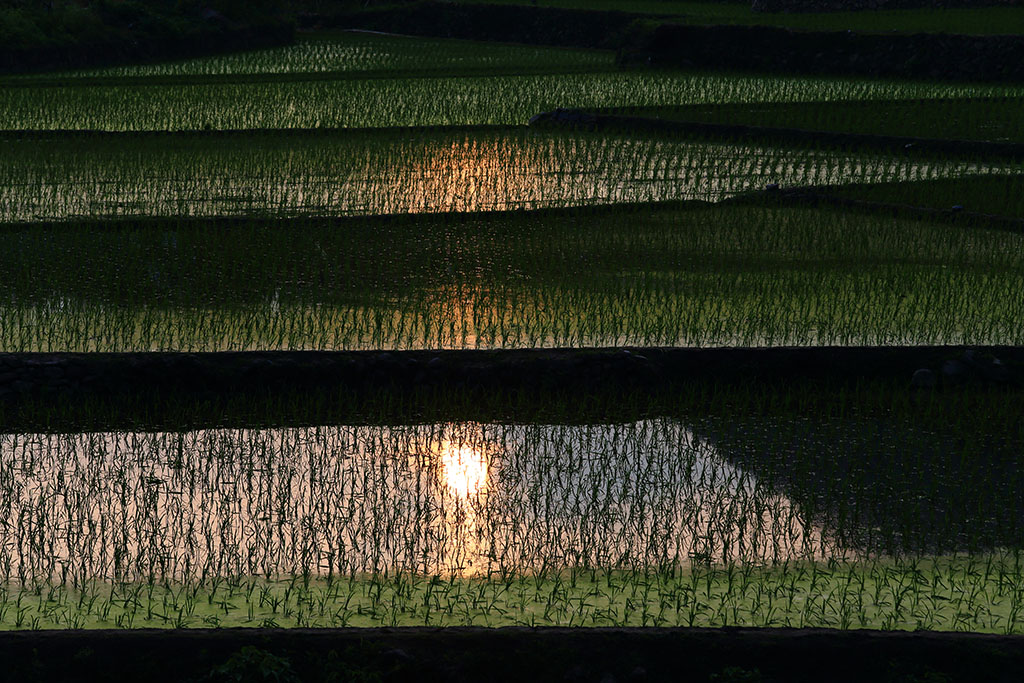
464 469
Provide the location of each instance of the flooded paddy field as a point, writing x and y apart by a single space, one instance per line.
394 172
261 97
354 53
656 522
692 275
386 195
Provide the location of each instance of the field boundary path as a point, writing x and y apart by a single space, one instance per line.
27 375
512 654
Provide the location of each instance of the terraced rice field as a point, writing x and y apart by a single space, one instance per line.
643 523
392 172
372 192
698 275
361 81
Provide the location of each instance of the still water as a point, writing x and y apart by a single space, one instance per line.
462 499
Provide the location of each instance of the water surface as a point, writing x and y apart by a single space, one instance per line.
459 499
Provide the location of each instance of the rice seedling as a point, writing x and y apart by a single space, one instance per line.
958 593
278 236
891 485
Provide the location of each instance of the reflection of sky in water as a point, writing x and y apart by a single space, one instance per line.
441 498
435 172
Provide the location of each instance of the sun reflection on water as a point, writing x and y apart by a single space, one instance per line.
463 472
464 469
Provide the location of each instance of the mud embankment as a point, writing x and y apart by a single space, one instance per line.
33 376
428 655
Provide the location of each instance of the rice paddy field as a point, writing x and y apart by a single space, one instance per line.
652 522
365 192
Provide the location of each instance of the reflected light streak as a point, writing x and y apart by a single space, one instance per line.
463 469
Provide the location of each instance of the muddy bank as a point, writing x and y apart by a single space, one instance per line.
96 391
510 654
815 197
867 5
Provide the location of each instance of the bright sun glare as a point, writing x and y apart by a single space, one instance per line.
464 469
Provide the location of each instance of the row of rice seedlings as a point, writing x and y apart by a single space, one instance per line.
228 262
616 524
853 314
350 53
391 172
455 100
968 593
736 275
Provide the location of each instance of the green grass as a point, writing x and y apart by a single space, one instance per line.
987 120
979 21
702 276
